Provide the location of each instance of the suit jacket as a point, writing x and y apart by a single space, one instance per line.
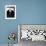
10 14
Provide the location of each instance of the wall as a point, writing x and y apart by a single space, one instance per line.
28 12
6 26
31 11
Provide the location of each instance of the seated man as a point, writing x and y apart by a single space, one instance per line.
10 13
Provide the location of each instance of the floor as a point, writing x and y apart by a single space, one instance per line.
7 45
30 43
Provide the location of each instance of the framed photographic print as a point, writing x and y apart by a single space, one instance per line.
10 11
33 32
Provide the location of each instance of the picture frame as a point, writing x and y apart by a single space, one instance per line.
10 11
39 35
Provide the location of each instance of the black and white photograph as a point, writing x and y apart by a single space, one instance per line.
31 34
10 11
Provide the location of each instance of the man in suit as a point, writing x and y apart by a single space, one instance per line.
10 13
